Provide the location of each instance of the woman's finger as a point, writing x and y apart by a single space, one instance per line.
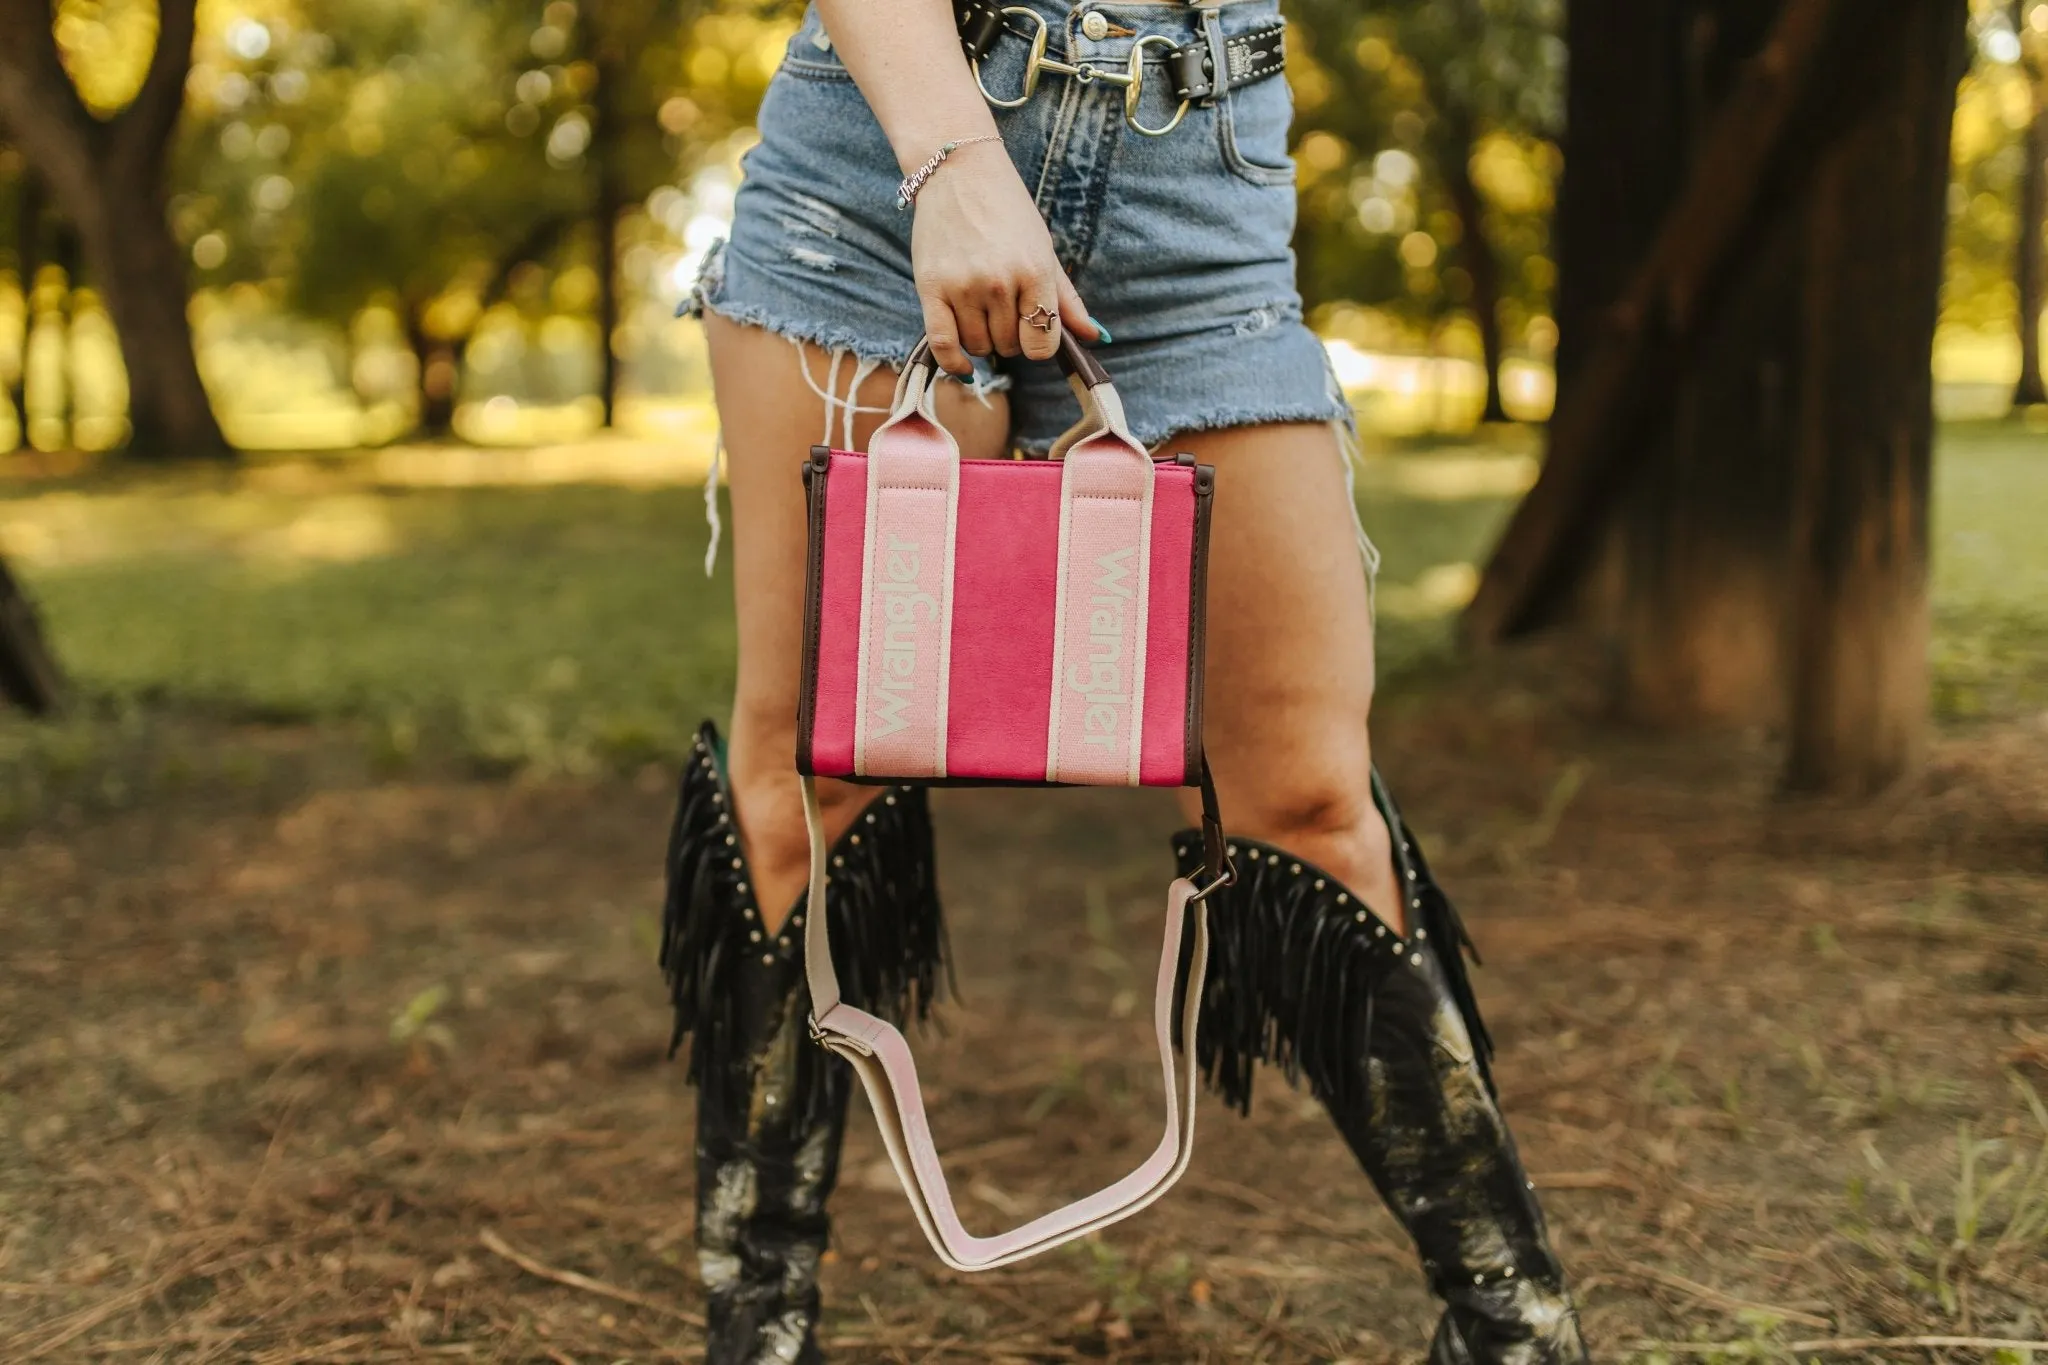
1074 313
1004 303
1041 293
973 320
943 330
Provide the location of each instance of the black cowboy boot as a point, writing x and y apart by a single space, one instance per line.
1388 1036
771 1106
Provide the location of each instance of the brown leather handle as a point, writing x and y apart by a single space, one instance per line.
1079 362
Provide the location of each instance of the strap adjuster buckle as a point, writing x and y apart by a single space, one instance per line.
835 1042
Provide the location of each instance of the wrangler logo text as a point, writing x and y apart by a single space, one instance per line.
1099 679
895 665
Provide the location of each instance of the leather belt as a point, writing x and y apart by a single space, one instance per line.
1191 69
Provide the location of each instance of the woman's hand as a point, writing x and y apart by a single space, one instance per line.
984 259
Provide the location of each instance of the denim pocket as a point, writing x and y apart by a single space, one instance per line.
811 55
1252 123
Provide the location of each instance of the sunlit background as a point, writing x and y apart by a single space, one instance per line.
385 207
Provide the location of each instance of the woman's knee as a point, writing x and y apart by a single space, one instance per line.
1329 819
1307 813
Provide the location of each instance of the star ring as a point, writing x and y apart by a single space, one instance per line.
1040 317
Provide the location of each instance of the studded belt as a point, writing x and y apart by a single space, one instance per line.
1197 72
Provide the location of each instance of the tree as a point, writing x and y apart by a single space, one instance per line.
413 154
1692 557
443 160
624 153
1875 226
27 211
1486 67
1742 437
29 676
107 178
1429 85
2030 273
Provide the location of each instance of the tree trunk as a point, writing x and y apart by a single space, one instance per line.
1876 225
1622 124
64 255
28 260
1475 250
1751 349
441 359
439 364
608 202
1622 172
1622 373
141 273
2031 268
108 179
29 676
1703 532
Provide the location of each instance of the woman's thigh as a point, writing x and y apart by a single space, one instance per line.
1290 653
771 416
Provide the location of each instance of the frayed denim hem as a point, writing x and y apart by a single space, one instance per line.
827 339
1153 438
838 344
708 295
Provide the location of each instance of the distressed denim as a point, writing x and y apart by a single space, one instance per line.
1179 244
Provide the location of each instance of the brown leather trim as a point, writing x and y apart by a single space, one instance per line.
1198 624
1079 362
816 467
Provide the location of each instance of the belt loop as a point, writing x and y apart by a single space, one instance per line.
1219 58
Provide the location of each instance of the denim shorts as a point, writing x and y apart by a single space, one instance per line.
1179 245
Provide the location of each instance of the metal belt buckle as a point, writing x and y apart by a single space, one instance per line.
1132 78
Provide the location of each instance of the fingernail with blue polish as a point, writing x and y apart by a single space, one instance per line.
1103 338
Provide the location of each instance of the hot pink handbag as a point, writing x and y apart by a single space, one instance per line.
1006 622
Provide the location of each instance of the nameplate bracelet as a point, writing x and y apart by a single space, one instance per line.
906 193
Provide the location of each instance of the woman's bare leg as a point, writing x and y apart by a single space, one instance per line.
1289 687
771 418
1290 658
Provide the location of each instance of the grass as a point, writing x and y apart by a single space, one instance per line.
572 628
1990 645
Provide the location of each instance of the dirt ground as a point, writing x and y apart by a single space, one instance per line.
343 1068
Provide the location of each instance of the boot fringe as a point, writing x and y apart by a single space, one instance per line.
888 934
1291 974
1446 927
1294 961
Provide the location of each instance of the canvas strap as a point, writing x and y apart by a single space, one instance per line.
906 644
881 1058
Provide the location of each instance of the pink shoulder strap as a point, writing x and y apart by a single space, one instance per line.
881 1058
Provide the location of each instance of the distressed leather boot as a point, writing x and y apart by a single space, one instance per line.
1387 1034
771 1105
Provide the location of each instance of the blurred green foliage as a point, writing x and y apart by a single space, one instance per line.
1390 98
359 182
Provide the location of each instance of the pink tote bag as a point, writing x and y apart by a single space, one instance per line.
1028 622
